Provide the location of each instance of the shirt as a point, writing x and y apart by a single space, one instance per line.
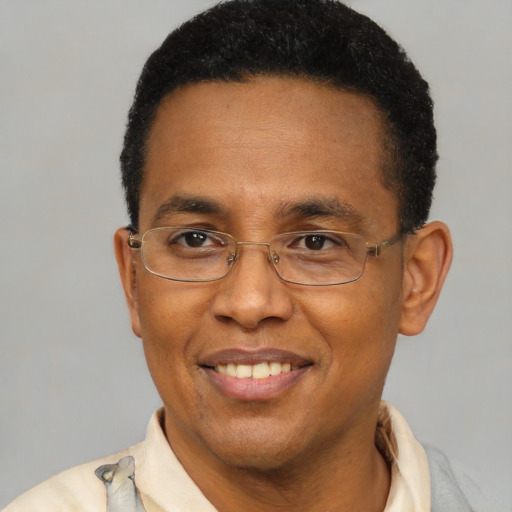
164 485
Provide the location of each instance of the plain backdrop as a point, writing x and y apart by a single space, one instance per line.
74 385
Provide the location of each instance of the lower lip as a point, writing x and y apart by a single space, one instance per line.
255 389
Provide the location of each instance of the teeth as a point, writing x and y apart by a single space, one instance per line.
255 371
260 371
243 371
275 368
231 370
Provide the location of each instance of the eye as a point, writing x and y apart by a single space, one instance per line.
195 239
315 242
320 241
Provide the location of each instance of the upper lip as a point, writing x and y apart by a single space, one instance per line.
252 357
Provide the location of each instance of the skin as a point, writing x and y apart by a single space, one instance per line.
253 148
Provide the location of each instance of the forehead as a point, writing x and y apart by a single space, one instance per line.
265 143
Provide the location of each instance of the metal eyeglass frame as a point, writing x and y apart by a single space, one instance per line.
135 242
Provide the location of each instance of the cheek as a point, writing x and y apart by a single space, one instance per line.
359 325
170 314
361 315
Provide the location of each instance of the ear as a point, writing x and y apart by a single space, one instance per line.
427 259
126 264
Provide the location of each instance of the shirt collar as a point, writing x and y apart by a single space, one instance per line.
410 475
167 486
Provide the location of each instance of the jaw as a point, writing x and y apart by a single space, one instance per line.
275 433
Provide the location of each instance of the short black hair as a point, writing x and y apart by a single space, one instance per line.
319 40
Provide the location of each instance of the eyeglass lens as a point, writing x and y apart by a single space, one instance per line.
312 258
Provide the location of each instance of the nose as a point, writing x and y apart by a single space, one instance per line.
252 292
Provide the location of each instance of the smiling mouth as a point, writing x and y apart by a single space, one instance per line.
262 370
259 375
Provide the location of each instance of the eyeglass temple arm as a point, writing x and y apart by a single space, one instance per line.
376 250
134 241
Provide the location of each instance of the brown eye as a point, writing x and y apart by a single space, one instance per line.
194 239
315 242
319 242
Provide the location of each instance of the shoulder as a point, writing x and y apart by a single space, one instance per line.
428 472
77 489
453 489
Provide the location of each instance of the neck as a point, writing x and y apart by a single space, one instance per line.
352 476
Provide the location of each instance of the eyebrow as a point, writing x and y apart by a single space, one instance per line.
187 204
323 207
306 209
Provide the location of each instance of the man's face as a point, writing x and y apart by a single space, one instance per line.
254 160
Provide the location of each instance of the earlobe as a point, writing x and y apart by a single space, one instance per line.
126 267
427 259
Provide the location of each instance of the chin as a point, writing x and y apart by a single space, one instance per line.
256 448
257 460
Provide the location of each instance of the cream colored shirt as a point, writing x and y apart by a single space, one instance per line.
165 486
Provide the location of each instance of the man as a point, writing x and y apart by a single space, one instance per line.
278 166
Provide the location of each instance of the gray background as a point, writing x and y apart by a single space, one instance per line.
74 385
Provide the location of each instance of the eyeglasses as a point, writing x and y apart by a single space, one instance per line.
312 258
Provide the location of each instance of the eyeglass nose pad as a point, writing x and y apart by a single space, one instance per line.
275 257
231 258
